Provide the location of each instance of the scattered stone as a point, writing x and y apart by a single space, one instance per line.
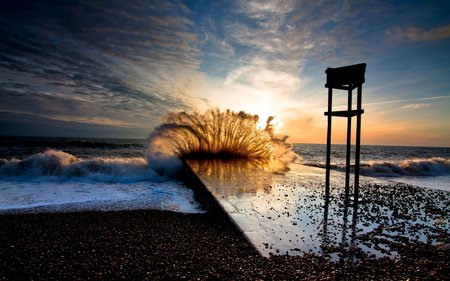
155 245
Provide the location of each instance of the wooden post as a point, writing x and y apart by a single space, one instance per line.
358 142
348 152
328 160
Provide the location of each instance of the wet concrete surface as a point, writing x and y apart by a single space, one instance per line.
287 213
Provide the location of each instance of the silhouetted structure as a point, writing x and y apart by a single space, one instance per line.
345 78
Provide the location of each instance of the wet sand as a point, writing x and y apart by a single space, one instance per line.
287 213
165 245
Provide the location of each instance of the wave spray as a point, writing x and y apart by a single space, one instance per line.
218 134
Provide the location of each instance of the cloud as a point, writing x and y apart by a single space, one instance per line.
408 100
23 124
75 119
415 34
415 106
273 42
275 82
94 120
120 64
260 9
287 36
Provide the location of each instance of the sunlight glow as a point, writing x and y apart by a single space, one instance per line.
264 111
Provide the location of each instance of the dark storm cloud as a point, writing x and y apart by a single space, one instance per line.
18 124
91 58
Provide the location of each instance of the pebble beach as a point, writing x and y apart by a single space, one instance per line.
156 245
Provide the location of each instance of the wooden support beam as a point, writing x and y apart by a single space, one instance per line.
345 113
342 87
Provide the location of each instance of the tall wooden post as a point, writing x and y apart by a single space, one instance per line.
327 172
345 78
349 144
358 141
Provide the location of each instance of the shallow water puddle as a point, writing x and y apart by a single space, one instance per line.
285 213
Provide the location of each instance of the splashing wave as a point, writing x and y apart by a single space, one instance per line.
59 165
219 135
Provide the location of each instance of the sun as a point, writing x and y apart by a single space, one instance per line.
241 97
264 111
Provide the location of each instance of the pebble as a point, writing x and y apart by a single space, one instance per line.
156 245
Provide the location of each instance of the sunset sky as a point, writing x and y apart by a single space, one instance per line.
113 69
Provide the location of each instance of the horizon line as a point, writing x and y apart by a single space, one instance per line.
119 138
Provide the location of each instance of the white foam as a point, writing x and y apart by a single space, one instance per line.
75 196
55 165
438 182
434 166
58 181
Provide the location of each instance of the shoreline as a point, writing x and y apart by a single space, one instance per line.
162 244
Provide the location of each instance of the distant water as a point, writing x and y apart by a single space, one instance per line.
22 147
114 173
421 166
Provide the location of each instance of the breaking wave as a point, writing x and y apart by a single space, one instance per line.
59 165
434 166
414 167
219 135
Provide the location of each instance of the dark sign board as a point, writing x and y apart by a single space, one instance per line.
347 75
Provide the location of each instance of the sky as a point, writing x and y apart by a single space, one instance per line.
114 69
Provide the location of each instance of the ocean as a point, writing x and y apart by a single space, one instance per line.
419 166
42 174
74 174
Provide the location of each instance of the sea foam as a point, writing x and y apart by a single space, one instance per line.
56 181
61 166
434 166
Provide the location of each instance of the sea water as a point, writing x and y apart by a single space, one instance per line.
63 174
420 166
74 174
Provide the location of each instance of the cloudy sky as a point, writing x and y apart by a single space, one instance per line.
115 68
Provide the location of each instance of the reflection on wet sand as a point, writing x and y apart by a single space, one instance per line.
290 214
230 171
226 169
345 246
386 218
